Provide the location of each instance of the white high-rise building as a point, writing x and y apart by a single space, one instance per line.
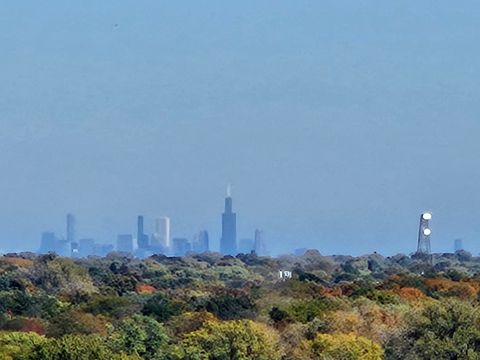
161 237
259 245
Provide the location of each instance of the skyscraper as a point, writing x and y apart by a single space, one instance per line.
245 246
201 243
458 245
260 245
161 236
102 249
64 248
125 243
228 242
48 242
180 246
70 228
86 247
142 239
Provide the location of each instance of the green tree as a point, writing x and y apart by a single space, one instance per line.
116 307
76 322
277 314
446 330
161 307
15 302
232 305
139 335
306 310
62 277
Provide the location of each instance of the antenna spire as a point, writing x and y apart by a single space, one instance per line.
229 190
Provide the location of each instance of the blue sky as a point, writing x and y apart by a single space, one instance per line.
336 122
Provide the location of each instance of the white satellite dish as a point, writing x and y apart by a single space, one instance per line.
427 216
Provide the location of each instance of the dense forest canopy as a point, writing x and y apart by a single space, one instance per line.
210 306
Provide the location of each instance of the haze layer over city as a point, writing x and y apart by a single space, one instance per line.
337 123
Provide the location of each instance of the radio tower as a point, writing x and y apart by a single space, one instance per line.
424 233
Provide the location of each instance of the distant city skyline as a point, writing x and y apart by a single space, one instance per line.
337 122
160 241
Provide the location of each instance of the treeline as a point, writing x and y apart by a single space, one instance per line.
213 307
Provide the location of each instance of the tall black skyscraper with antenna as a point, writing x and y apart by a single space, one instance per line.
228 242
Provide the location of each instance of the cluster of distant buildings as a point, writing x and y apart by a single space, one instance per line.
159 242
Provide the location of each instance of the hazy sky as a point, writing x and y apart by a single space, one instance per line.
337 122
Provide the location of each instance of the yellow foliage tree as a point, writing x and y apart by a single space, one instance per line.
343 321
239 340
188 322
16 345
344 347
